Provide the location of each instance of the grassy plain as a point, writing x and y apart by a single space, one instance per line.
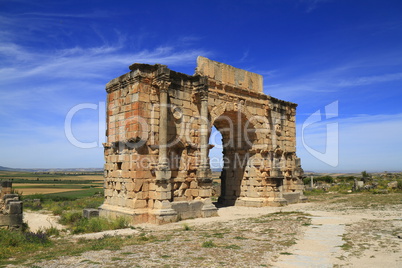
50 184
373 225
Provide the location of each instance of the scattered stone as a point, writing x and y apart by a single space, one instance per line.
10 207
393 185
90 213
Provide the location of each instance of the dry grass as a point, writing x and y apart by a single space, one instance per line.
250 242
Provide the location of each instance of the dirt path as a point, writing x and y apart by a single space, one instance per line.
340 235
37 221
321 241
348 238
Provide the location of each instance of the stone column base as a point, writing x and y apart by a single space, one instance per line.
303 198
166 212
251 202
292 197
209 209
11 221
134 216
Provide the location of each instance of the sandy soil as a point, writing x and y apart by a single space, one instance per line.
338 236
37 221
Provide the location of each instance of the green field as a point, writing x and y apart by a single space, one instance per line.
51 185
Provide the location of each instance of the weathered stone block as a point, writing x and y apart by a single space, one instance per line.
292 197
140 203
205 192
11 220
15 207
90 213
193 185
162 195
194 192
10 196
138 184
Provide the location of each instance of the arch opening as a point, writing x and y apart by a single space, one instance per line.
232 136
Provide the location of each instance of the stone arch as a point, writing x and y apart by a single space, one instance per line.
167 176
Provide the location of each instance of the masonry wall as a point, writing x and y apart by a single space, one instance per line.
156 166
270 168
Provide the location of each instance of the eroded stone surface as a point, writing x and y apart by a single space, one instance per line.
10 207
158 126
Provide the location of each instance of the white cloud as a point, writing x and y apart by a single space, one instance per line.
95 14
39 86
326 82
366 142
81 62
368 80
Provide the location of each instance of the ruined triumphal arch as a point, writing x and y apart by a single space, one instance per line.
158 125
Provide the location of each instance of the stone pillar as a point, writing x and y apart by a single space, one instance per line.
163 173
204 171
162 209
163 163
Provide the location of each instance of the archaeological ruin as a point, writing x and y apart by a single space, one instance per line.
10 207
159 121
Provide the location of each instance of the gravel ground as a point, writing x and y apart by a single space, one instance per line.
329 233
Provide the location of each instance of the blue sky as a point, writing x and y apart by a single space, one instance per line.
345 55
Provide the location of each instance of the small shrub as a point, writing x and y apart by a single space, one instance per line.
314 192
327 179
12 242
79 224
107 242
120 223
57 211
10 238
218 235
346 246
186 227
70 217
93 225
380 191
52 231
32 205
143 238
208 244
39 237
233 246
24 227
59 204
